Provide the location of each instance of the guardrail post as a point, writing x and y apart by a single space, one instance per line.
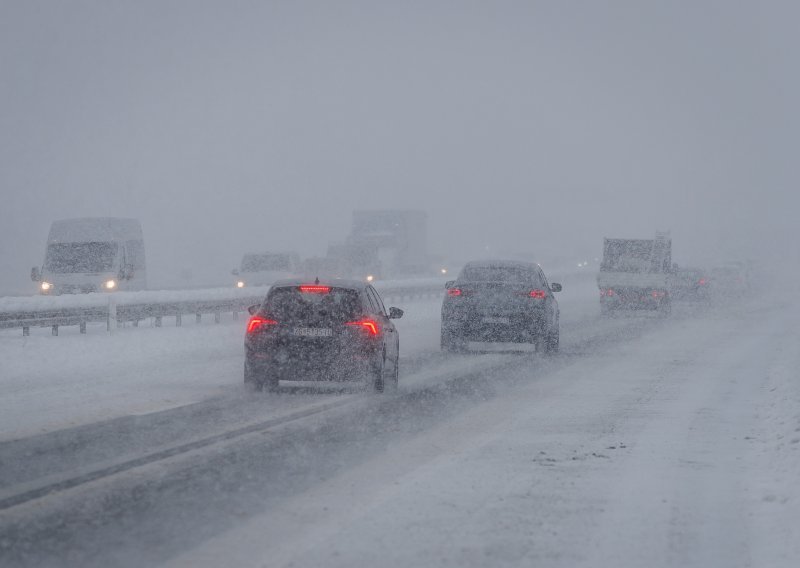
26 331
83 327
198 318
158 321
55 330
111 324
216 316
235 316
178 320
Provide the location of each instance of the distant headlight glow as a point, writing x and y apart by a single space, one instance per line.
370 278
240 284
46 286
110 284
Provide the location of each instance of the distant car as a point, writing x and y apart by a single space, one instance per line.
334 330
500 301
690 284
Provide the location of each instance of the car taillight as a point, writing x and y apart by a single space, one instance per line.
370 326
315 289
455 292
538 294
702 282
658 293
257 322
608 292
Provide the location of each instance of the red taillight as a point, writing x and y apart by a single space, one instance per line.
608 292
454 292
257 322
315 289
367 324
538 294
658 293
702 282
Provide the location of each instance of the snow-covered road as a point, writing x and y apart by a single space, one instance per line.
647 442
50 383
679 449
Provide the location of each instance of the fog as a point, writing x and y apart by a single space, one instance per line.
520 127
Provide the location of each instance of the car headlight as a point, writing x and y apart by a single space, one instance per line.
370 278
240 284
46 286
110 284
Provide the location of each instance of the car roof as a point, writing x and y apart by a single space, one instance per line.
500 263
332 282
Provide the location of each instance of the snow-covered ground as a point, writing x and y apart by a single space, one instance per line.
678 449
49 383
646 442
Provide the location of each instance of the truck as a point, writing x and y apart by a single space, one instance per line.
95 254
392 242
635 274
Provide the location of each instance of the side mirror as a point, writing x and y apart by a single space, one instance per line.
235 272
555 287
449 284
253 309
395 313
36 274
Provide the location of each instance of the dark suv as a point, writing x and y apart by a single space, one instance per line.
500 301
335 330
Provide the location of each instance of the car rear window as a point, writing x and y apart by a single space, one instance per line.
507 274
289 303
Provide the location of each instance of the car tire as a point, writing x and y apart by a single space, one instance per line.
394 381
272 384
553 341
451 343
252 381
379 380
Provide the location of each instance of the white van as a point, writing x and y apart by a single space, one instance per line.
264 268
102 254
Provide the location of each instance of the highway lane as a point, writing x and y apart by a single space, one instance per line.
179 499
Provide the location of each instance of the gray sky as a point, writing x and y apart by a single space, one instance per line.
522 126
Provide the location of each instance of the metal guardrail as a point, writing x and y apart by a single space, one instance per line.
118 308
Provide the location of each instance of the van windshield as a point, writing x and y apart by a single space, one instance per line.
75 258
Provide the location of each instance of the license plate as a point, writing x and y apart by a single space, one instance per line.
493 319
313 331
